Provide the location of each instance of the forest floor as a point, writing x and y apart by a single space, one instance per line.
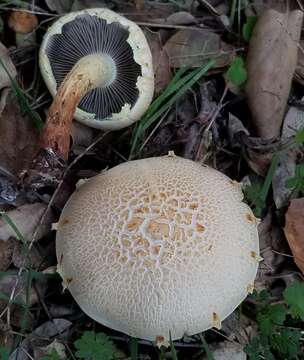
229 93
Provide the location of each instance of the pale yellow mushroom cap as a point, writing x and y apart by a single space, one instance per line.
158 245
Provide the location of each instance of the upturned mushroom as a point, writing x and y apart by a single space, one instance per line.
158 246
100 62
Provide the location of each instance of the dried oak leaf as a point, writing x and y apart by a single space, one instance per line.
27 218
294 230
18 137
7 68
193 47
271 62
162 71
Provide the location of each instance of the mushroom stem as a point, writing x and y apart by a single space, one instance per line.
88 73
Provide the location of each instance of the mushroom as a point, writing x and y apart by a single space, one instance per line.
101 62
158 246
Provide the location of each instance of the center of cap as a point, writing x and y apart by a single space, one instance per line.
99 68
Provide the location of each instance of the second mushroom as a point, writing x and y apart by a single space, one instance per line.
100 62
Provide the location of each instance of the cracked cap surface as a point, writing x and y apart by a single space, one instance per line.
158 245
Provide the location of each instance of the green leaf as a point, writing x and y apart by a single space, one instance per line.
173 351
252 195
258 348
270 316
287 342
52 356
134 348
299 138
237 72
253 349
262 297
93 346
248 27
175 89
4 353
294 297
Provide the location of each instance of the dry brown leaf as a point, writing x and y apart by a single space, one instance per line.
6 252
258 6
161 66
299 73
82 136
38 257
294 230
9 283
293 122
18 138
42 336
7 68
258 161
284 171
271 62
193 47
181 18
6 337
26 218
22 21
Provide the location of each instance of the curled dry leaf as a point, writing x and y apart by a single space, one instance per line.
272 243
22 21
7 68
161 66
227 350
293 122
271 62
6 252
193 47
26 218
299 73
294 230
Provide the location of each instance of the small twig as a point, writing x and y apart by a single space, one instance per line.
40 12
26 353
211 8
213 116
99 138
153 131
279 253
170 26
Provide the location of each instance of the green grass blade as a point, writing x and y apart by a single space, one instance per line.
134 348
173 351
10 222
23 102
269 176
206 347
178 88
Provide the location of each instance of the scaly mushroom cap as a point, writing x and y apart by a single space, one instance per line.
157 245
128 92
